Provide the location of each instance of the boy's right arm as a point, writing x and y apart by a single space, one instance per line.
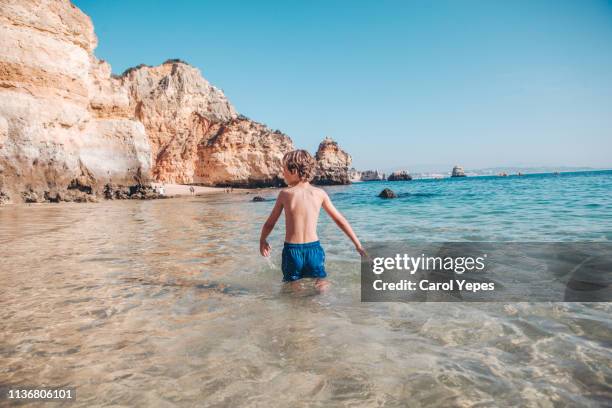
264 247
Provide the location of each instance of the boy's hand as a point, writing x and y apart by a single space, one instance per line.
361 251
264 248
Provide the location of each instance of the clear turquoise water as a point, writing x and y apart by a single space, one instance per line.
538 207
168 303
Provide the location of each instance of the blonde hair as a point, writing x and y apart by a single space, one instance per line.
301 162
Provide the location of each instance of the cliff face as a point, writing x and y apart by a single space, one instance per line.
242 153
65 124
195 133
179 110
333 164
69 130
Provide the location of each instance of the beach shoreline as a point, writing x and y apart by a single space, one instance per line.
172 190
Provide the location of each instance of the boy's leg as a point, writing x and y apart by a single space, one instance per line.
322 284
295 285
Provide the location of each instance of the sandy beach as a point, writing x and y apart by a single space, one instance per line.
183 189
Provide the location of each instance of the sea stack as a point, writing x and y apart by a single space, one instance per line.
354 175
372 175
458 172
401 175
332 164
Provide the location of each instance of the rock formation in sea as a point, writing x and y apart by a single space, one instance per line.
66 129
372 175
387 193
332 164
401 175
458 172
354 175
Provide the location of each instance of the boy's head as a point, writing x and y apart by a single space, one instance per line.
298 165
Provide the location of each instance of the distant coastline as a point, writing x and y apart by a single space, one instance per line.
418 176
512 171
484 172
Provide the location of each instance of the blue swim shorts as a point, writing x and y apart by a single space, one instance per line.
303 261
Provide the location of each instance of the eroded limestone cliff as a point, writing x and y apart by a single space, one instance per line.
69 130
242 153
179 109
65 124
195 133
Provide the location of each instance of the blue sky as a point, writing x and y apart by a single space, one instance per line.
419 85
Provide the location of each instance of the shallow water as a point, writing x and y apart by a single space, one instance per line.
162 303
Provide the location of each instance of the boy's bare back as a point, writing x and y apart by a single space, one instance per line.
302 204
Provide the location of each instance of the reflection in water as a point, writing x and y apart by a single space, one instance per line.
168 302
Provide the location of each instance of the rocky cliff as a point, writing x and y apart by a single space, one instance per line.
179 109
242 153
65 124
69 130
196 135
333 164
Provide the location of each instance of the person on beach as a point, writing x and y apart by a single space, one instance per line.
303 256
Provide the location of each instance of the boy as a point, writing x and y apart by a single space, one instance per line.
303 256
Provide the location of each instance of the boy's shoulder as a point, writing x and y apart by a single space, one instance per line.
289 191
319 191
284 193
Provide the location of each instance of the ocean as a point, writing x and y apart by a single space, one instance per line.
168 302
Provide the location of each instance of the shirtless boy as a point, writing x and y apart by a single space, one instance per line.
303 256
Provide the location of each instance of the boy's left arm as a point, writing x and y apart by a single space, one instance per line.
342 223
264 247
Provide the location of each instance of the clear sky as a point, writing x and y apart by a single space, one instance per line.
399 84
